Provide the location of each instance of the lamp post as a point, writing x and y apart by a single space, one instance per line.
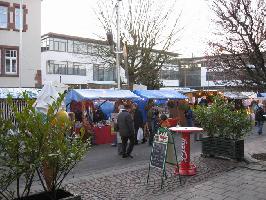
20 40
117 51
118 48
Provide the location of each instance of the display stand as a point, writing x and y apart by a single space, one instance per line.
163 151
186 168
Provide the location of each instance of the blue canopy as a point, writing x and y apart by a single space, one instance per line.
261 95
94 94
16 93
159 94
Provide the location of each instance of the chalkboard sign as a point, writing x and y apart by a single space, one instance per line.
158 154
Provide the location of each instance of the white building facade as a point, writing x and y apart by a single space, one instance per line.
79 62
76 61
20 67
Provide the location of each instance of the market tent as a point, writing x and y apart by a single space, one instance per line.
261 95
159 94
96 94
160 97
235 95
16 93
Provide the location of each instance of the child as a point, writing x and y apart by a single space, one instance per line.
164 121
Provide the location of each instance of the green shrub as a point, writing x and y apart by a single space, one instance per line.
36 145
222 120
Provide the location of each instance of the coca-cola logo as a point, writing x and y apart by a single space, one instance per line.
184 153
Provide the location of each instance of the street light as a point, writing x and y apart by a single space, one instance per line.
20 41
111 42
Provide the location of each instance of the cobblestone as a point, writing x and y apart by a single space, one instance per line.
131 184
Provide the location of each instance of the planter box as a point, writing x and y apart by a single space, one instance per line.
60 195
228 148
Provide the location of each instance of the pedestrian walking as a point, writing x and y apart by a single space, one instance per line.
259 118
138 122
189 116
126 131
155 125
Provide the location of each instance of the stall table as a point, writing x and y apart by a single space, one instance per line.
186 167
103 134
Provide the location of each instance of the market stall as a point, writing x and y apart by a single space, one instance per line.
195 97
166 100
96 107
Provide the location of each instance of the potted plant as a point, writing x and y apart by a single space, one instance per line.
225 128
37 145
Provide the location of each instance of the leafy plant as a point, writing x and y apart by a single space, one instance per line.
222 120
36 144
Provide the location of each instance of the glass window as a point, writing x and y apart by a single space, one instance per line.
70 46
17 18
11 61
50 67
66 68
51 44
3 16
94 50
102 73
95 72
80 47
70 70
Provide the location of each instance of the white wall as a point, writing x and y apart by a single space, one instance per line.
170 83
31 51
71 57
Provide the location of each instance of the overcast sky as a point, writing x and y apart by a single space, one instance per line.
76 18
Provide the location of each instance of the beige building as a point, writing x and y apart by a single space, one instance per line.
20 68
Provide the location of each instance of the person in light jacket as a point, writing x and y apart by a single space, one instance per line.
126 131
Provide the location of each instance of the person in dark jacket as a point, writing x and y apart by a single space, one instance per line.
138 121
259 118
189 116
126 131
203 101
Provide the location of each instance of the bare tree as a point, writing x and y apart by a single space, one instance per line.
239 48
146 26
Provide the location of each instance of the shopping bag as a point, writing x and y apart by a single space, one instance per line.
140 134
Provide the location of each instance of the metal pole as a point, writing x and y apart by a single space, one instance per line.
118 44
20 40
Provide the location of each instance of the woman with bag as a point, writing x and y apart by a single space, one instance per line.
138 123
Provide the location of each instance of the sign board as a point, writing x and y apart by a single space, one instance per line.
161 154
158 154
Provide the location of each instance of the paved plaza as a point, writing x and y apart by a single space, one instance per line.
216 179
104 175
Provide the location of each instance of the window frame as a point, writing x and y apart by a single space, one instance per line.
11 58
25 12
3 73
7 5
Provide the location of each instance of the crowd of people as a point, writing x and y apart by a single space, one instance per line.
130 124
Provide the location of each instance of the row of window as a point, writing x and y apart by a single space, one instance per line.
100 72
169 74
10 17
9 62
66 68
71 46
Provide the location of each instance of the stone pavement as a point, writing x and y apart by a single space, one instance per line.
216 179
130 183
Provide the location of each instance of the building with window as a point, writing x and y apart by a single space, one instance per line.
191 73
20 67
76 61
